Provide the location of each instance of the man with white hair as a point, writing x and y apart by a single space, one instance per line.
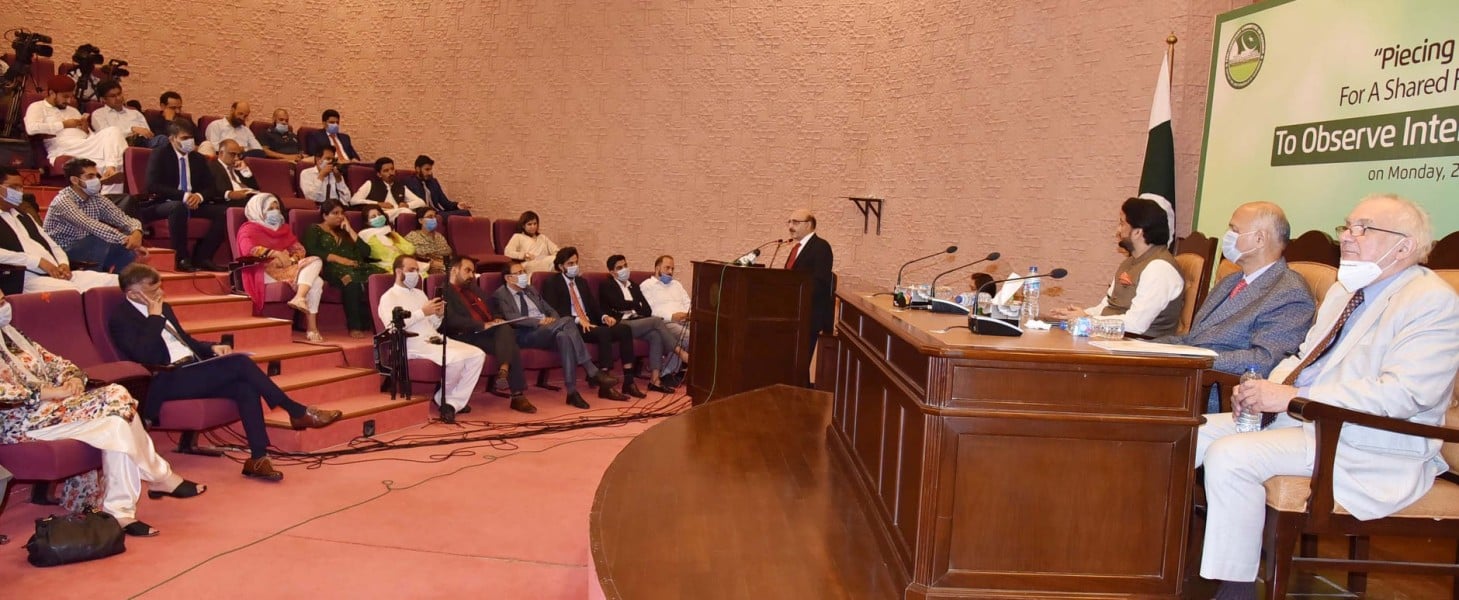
1385 341
232 177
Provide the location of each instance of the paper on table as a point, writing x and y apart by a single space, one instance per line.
1144 347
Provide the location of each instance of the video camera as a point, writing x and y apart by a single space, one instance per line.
398 317
87 57
27 46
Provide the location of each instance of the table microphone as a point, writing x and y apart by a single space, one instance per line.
949 250
932 293
991 326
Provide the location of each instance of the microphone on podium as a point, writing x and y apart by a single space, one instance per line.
991 326
749 257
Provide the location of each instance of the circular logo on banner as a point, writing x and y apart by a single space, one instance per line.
1244 55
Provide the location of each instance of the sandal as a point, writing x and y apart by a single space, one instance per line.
314 336
140 529
186 489
299 304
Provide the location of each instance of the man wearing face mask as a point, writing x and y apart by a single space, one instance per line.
1259 315
470 319
668 299
232 176
426 187
280 141
24 244
1385 341
544 329
91 228
182 187
117 114
385 191
624 301
324 180
330 137
235 127
71 133
463 361
1147 291
569 295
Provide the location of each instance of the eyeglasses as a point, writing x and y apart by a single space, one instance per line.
794 222
1361 230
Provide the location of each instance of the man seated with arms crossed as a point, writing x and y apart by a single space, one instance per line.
426 187
91 228
623 300
232 177
470 319
145 330
385 191
1147 289
669 301
117 114
182 188
463 361
71 133
324 180
24 244
544 330
1258 315
281 142
1385 342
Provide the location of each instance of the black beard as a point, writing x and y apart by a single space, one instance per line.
1127 246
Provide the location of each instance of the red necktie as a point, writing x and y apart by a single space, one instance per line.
1240 285
1320 349
338 149
794 252
577 303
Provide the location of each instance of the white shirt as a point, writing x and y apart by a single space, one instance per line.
42 118
666 300
176 348
802 243
125 119
235 177
317 190
1251 278
33 250
1160 283
362 196
411 299
222 130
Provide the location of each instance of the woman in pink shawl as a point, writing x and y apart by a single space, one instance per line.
265 236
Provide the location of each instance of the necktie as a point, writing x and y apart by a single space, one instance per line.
1240 285
329 187
338 149
577 303
166 324
794 252
522 303
1320 349
182 178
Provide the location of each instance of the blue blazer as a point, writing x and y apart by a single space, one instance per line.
1260 326
320 138
438 200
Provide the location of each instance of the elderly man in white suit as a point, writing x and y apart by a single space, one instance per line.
1386 342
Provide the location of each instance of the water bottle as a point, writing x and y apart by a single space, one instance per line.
1031 296
1249 420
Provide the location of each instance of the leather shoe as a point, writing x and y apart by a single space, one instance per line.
261 468
520 403
208 265
184 266
608 393
632 390
448 414
660 388
575 400
464 410
603 379
315 418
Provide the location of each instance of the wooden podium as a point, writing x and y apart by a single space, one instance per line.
751 329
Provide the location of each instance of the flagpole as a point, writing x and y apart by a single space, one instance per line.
1170 41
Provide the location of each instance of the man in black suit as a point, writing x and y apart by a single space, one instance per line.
623 300
470 319
813 255
181 186
570 297
231 176
145 330
544 330
330 137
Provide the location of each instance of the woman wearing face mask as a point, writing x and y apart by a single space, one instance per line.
385 243
265 236
347 264
44 397
530 246
429 244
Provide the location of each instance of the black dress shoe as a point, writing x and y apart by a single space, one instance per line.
575 400
184 266
520 403
210 266
660 388
608 393
464 410
448 414
632 390
603 379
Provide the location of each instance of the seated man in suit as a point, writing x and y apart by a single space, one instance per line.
324 180
385 191
426 187
623 300
546 331
1147 293
24 244
1257 316
282 143
669 301
235 127
145 330
331 137
71 133
182 187
1385 341
568 294
470 319
463 361
232 177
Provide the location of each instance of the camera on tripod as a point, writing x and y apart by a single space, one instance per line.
27 46
115 69
398 317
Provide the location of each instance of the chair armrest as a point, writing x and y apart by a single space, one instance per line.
1226 381
250 259
155 369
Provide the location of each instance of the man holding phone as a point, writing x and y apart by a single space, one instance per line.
423 318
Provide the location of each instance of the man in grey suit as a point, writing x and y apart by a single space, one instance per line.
1385 341
543 330
1259 315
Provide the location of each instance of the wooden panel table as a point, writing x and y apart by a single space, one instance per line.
1030 467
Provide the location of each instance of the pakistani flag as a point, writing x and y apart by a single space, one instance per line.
1157 180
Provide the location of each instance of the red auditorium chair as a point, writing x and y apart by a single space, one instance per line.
276 292
471 236
355 175
41 70
502 231
259 127
134 163
189 416
278 177
419 370
153 113
303 134
533 359
406 223
203 123
42 463
56 320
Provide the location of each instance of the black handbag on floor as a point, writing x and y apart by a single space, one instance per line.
73 538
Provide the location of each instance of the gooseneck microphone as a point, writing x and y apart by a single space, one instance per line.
749 257
1054 274
949 250
992 256
991 326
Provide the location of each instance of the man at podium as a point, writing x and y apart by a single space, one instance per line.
813 255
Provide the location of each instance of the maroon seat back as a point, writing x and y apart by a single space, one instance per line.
377 286
406 223
98 304
356 175
490 282
303 132
639 277
540 278
236 219
595 281
470 236
134 162
41 69
260 127
56 321
502 231
274 176
301 219
203 123
434 283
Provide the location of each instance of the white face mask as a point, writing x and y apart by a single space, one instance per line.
622 274
187 146
1228 245
5 314
572 271
243 170
412 279
1357 274
273 218
523 279
93 186
14 196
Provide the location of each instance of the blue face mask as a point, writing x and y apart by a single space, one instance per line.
332 128
273 219
377 221
429 224
666 278
281 127
622 274
572 271
13 196
523 279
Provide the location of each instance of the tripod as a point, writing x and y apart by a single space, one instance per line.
392 359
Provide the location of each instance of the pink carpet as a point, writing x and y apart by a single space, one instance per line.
504 520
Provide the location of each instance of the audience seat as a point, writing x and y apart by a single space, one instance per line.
259 128
203 123
190 416
275 292
43 462
355 176
134 163
303 133
41 70
502 231
406 223
420 370
278 177
472 236
56 321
